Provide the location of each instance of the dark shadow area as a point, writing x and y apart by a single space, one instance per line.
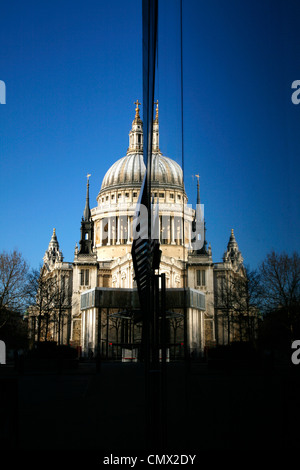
209 405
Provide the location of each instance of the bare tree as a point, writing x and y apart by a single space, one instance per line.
35 309
246 295
239 304
115 324
62 304
51 303
13 281
280 281
176 323
225 301
43 294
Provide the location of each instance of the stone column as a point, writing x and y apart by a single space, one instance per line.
118 222
128 229
109 231
101 228
172 228
179 240
159 228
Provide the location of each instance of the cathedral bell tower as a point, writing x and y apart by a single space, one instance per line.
53 254
155 143
136 133
233 254
87 226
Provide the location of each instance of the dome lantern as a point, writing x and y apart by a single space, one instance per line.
128 172
136 133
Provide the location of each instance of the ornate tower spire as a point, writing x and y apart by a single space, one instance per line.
233 253
198 189
156 112
136 133
155 143
87 227
53 254
87 212
53 242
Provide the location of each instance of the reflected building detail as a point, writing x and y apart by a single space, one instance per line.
102 263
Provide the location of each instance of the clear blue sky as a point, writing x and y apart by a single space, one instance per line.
73 71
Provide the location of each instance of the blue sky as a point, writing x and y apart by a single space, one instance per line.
73 71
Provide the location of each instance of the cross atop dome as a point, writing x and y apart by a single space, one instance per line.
137 118
137 109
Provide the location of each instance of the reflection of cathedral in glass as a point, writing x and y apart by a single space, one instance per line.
102 268
119 194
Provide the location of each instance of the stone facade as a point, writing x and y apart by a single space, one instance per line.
103 258
51 318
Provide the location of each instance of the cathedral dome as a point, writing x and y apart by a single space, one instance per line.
129 172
